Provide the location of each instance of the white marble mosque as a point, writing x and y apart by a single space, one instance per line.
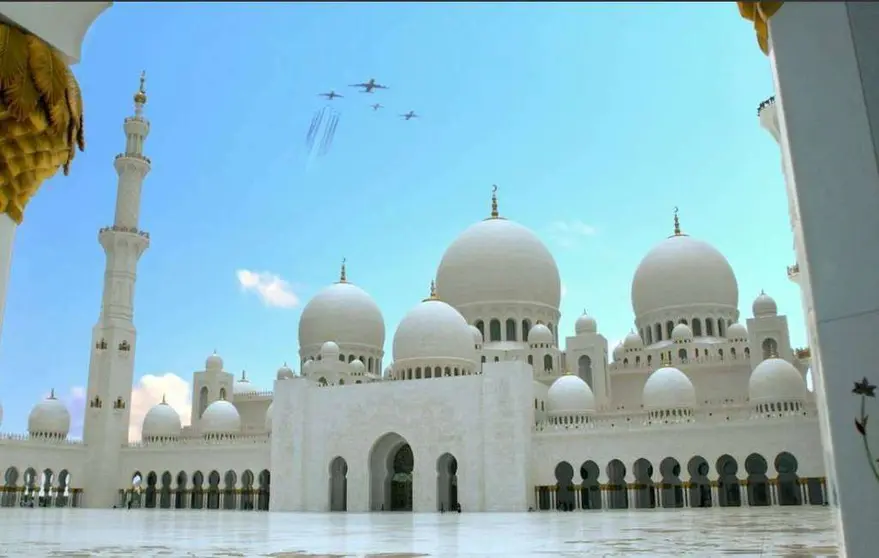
484 403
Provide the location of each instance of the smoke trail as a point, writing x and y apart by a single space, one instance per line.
313 129
329 133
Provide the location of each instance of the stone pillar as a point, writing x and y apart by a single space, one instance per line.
828 95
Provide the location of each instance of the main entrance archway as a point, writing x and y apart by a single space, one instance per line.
391 463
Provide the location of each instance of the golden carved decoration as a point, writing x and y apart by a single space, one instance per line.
41 121
759 13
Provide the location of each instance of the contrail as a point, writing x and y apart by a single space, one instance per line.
316 121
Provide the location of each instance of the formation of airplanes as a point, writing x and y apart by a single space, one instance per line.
369 86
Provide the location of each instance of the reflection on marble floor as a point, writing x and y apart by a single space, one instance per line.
795 532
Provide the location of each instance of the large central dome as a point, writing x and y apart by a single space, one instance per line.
682 271
497 260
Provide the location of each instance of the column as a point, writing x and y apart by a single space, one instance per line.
715 499
828 95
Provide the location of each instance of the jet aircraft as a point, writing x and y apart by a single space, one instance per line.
409 115
369 86
331 95
377 106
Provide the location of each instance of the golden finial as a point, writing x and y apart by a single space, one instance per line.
494 212
163 400
140 97
51 394
432 292
343 276
243 376
677 223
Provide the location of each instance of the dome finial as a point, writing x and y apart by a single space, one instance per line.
51 393
677 223
140 97
494 212
243 375
432 295
163 400
343 276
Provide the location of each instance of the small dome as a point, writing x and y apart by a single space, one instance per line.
764 306
737 331
618 353
569 394
540 335
585 324
221 417
329 351
161 421
285 372
682 333
668 388
269 416
433 329
214 363
49 417
357 367
242 385
307 366
478 339
633 342
776 380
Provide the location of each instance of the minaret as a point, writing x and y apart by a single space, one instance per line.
111 368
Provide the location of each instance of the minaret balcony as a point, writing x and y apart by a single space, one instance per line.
140 156
793 271
130 230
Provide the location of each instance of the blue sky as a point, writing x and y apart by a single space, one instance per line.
595 121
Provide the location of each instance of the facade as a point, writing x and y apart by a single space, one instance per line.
479 405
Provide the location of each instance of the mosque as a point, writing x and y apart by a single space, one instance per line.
479 406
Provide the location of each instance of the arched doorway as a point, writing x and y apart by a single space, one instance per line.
590 487
213 502
584 369
338 484
197 496
617 488
758 483
671 490
391 464
247 480
264 490
700 485
229 480
564 478
165 491
728 491
9 496
447 482
789 492
150 499
645 495
180 492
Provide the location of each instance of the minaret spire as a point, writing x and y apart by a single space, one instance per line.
111 367
494 211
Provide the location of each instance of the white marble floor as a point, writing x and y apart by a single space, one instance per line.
795 532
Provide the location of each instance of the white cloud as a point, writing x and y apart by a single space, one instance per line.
270 288
149 392
569 233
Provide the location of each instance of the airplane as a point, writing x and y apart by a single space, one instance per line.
369 86
377 106
331 95
409 115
